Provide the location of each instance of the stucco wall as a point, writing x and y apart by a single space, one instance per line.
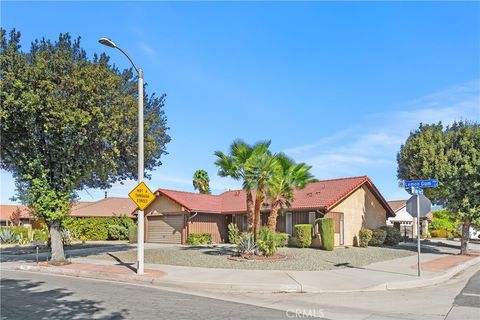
361 209
162 205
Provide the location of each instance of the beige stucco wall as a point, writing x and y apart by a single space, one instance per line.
360 209
162 205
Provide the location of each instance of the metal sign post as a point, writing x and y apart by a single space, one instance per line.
421 207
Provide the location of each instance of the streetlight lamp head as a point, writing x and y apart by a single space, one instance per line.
107 42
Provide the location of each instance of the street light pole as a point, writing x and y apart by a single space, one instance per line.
140 216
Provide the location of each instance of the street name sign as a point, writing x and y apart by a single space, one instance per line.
430 183
422 209
142 195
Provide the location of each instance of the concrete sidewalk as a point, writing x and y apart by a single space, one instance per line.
387 275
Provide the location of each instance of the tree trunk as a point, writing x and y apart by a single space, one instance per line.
258 203
250 211
272 218
465 237
58 255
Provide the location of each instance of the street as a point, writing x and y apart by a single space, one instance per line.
38 296
41 296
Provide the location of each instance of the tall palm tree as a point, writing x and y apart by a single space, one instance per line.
234 165
201 181
260 169
288 177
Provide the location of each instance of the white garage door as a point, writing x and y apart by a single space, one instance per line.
165 229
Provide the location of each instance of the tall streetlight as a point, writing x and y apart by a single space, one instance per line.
140 216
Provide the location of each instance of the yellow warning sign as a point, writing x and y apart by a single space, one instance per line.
142 195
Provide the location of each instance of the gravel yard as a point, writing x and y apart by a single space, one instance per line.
308 259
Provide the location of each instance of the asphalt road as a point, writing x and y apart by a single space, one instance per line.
467 303
37 296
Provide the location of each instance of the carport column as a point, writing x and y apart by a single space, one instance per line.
140 218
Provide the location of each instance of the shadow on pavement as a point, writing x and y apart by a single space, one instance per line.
124 264
69 253
213 250
24 299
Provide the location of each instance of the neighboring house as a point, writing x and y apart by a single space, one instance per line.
107 207
352 202
13 214
404 221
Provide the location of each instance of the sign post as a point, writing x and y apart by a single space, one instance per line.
419 205
142 196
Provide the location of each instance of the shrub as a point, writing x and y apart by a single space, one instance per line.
40 235
266 242
199 238
233 233
393 235
132 233
303 233
7 235
327 233
117 232
67 238
94 228
364 237
246 244
439 233
281 239
378 237
24 234
444 220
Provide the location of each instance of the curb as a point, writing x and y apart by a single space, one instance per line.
246 288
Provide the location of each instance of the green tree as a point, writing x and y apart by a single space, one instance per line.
201 181
236 165
69 122
451 155
287 177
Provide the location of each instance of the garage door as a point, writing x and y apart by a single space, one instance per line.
166 229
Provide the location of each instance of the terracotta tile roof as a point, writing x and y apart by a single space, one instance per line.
194 201
107 207
397 204
323 194
6 211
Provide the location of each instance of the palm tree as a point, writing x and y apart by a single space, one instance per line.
288 177
235 164
260 169
201 181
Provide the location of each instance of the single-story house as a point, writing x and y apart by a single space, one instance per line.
404 220
107 207
352 202
14 214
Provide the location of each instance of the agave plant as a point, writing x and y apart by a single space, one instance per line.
246 245
9 236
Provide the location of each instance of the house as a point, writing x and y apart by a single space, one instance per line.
107 207
15 214
404 220
352 202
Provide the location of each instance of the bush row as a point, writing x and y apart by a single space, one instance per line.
96 228
199 238
385 235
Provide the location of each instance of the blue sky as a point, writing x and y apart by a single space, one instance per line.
337 85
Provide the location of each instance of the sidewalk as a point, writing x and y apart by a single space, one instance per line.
387 275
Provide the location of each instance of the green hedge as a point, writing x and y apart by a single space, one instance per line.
364 237
116 232
440 234
326 227
199 238
303 233
94 228
132 234
393 235
281 239
378 237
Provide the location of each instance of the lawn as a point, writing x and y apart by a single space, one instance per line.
308 259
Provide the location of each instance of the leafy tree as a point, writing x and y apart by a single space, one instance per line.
201 181
451 155
287 177
236 164
69 122
444 220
